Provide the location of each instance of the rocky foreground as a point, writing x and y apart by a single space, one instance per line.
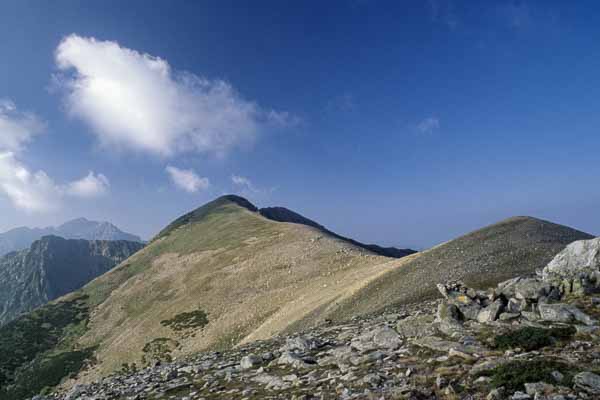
528 338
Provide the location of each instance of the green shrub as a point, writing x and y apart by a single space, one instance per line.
159 349
515 374
188 320
532 338
35 348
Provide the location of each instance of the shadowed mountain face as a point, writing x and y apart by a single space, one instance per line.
282 214
81 228
53 267
483 258
227 274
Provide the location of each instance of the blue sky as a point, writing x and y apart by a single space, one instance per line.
402 123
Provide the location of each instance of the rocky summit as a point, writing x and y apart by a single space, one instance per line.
527 338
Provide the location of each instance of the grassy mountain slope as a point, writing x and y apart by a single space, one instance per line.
208 280
515 246
224 274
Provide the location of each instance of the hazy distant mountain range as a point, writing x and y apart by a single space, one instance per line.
21 238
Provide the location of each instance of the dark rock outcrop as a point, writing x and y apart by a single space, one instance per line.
53 267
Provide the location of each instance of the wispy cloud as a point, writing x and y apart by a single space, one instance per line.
92 185
428 125
243 182
244 186
137 101
17 128
187 179
34 191
28 191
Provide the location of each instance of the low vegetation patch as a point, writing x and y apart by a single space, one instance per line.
515 374
159 349
532 338
197 319
36 349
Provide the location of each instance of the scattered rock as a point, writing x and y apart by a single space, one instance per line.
250 361
588 382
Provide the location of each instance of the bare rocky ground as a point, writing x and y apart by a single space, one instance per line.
532 338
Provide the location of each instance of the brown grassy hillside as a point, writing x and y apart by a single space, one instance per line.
483 258
224 275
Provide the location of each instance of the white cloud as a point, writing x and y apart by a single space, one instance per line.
34 191
31 192
17 128
245 187
136 101
428 125
37 192
187 179
92 185
244 182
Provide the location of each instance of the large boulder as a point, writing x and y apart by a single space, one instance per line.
448 319
416 326
491 312
587 382
565 313
577 268
468 301
382 337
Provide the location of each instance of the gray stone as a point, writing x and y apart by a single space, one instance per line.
416 326
538 388
495 394
491 312
530 315
250 361
507 288
386 337
302 344
383 337
580 257
587 330
514 306
270 381
509 316
588 382
531 289
520 396
293 360
448 319
557 376
564 313
486 365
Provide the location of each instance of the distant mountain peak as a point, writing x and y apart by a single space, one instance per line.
78 228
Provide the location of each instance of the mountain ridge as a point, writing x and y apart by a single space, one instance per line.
21 238
52 267
280 214
224 275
